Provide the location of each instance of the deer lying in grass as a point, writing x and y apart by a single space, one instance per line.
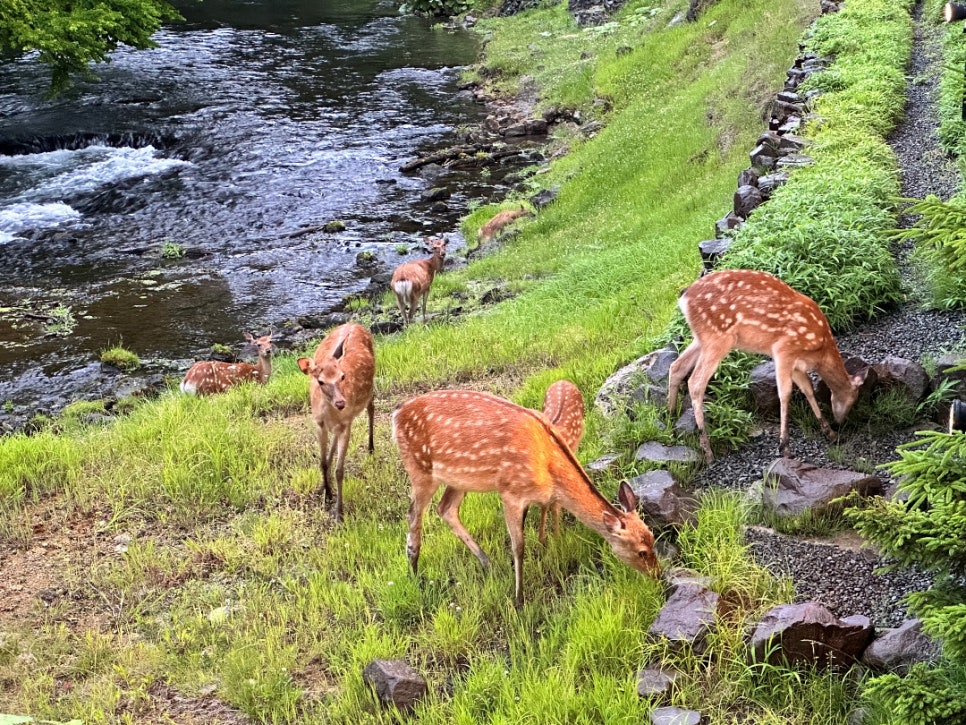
341 377
500 220
753 311
469 441
563 404
411 280
213 376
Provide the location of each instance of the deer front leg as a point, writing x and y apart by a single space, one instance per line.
325 455
804 384
514 512
783 378
341 446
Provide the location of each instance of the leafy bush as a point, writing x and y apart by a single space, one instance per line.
927 529
940 237
435 8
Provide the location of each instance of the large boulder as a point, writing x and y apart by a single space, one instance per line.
662 500
896 650
809 634
905 375
687 618
793 487
643 380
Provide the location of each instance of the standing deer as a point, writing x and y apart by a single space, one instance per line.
213 376
500 220
563 404
411 280
742 309
469 441
340 387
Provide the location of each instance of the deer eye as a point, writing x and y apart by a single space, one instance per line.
342 376
644 553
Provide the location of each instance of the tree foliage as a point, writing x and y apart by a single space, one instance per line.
925 525
71 34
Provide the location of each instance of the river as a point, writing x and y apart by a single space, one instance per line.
247 128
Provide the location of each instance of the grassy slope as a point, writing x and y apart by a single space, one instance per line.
236 580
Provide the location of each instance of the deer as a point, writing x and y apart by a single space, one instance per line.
500 220
341 377
563 405
411 280
468 441
742 309
208 377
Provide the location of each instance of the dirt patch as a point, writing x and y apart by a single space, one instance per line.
38 576
170 705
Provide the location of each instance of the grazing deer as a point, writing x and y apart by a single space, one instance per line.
213 376
469 441
742 309
340 387
500 220
411 280
563 404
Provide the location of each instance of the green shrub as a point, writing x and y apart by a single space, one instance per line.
940 237
925 525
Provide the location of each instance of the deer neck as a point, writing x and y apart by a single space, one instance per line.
264 368
574 492
832 370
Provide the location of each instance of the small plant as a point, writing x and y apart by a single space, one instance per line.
171 250
334 226
60 321
81 408
402 249
121 358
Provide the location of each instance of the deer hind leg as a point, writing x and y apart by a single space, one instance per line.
804 384
680 369
425 296
514 512
554 508
423 488
401 304
707 359
449 511
371 412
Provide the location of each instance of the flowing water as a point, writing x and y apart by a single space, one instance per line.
248 128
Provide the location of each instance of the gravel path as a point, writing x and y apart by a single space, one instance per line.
844 578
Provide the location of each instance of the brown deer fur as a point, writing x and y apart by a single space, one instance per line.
213 376
341 377
563 404
500 220
742 309
411 280
469 441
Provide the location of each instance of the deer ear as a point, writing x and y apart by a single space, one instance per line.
611 522
250 337
304 364
627 497
339 349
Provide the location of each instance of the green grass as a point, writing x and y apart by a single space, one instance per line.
235 583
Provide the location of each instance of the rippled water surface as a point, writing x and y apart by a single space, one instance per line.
247 128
